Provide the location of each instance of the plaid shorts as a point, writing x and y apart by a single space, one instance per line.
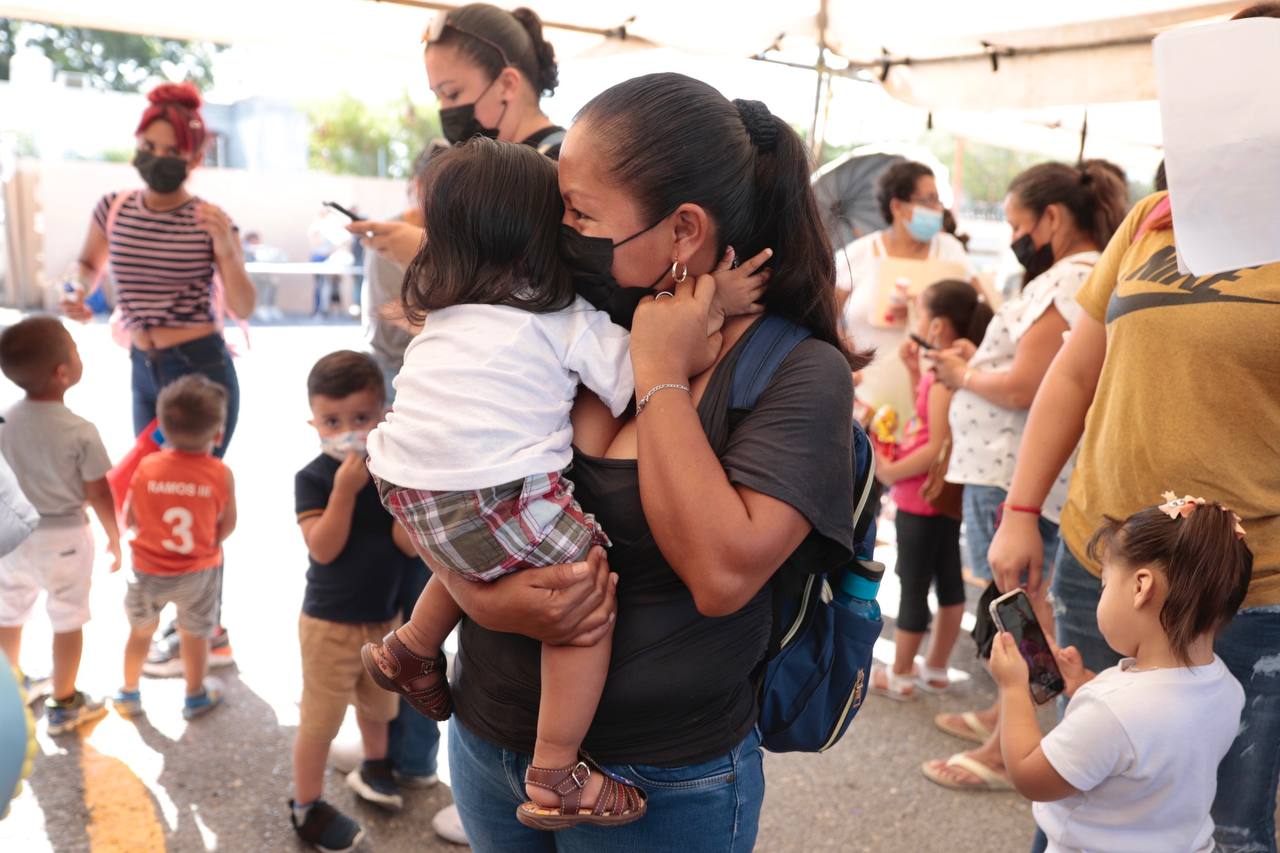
485 534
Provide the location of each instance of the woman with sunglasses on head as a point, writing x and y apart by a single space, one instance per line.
489 69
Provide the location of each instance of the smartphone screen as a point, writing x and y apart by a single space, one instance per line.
1013 613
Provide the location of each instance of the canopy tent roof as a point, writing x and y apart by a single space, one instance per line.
1007 54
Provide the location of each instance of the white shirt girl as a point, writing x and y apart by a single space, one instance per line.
1143 749
985 437
485 393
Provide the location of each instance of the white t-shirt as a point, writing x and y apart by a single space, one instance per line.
485 392
1143 749
886 379
985 437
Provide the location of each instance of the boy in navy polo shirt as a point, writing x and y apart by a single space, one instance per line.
358 555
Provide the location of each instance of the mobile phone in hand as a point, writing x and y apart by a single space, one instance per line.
1012 613
353 217
921 342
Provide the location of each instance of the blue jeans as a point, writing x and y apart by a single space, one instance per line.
413 741
1244 810
1247 778
714 806
153 370
981 503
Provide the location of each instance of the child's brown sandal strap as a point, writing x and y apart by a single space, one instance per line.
412 679
565 782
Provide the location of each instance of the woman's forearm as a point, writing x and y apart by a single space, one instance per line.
238 288
703 525
996 387
1056 420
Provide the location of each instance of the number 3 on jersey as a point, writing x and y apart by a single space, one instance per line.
181 519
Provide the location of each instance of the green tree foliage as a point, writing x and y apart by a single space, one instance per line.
125 62
350 137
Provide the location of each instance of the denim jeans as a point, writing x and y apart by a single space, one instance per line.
1244 810
1247 778
981 504
714 806
413 741
155 369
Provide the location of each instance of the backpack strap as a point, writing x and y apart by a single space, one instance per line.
770 343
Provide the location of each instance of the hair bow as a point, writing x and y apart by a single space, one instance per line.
1181 507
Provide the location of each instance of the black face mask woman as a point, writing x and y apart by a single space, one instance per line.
591 261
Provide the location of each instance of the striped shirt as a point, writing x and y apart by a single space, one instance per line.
161 263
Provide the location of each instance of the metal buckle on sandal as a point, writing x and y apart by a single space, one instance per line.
573 774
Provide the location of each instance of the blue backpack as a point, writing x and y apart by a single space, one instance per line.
815 681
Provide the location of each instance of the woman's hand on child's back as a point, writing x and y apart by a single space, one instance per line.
740 289
1007 665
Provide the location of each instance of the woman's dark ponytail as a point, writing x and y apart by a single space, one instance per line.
786 217
1095 193
494 38
545 73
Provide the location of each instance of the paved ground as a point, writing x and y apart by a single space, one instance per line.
221 783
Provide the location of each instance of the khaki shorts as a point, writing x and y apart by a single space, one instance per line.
333 676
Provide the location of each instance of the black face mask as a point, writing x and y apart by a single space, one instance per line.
458 124
1034 261
162 174
590 259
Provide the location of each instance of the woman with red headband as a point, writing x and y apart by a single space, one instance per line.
165 247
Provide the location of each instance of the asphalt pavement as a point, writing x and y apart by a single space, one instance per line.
222 782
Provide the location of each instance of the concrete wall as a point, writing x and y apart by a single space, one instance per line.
277 204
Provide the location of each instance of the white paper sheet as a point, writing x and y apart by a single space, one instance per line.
1220 107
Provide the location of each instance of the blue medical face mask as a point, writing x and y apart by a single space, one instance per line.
925 223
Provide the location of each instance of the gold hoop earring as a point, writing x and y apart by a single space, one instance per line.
683 274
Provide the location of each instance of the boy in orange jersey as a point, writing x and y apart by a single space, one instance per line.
181 506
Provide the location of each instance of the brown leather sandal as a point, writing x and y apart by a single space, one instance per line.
421 681
620 801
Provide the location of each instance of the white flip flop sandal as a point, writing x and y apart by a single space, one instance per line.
972 728
988 779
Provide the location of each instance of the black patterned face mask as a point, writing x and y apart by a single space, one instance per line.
590 259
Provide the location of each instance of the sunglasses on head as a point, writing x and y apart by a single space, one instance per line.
435 32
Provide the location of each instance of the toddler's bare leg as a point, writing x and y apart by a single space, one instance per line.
434 616
572 680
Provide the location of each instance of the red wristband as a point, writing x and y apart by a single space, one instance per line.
1030 510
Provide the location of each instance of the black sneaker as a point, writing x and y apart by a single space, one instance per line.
326 828
374 782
